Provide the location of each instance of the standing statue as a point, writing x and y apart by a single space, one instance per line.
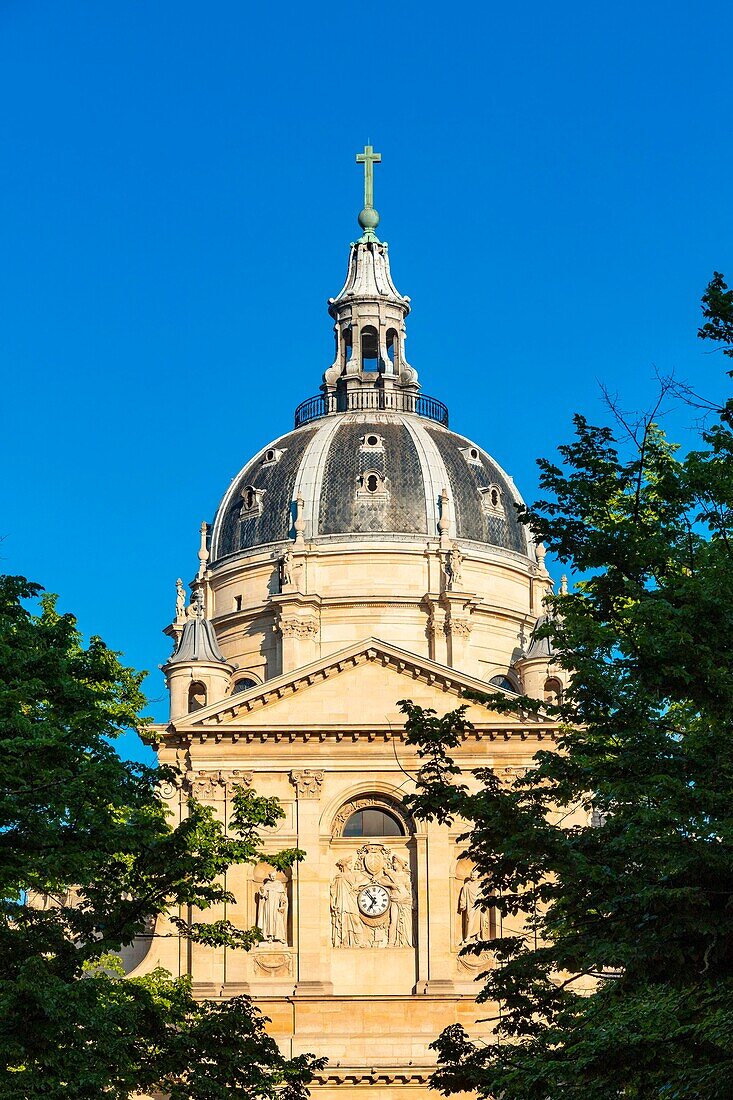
346 923
401 903
455 566
272 909
180 601
476 919
286 568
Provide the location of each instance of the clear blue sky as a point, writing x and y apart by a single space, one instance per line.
178 193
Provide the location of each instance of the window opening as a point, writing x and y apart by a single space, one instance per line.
243 684
503 682
392 346
373 822
369 349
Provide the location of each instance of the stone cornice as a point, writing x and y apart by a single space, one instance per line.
376 1075
333 735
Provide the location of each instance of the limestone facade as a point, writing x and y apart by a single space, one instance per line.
368 556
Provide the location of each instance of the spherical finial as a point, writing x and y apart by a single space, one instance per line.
369 218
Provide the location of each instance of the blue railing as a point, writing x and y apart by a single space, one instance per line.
378 400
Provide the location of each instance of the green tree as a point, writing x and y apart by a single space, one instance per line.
87 855
620 984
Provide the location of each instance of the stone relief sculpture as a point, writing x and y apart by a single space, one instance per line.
272 910
401 904
346 923
476 921
372 900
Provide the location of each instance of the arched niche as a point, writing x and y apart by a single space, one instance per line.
196 696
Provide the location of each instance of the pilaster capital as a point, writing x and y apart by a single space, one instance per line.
307 782
216 784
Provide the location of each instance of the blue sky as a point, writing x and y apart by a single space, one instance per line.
178 193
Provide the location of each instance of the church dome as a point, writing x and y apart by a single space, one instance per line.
371 457
366 475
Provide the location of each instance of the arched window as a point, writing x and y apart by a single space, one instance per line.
393 349
373 822
369 348
503 682
243 684
196 696
553 691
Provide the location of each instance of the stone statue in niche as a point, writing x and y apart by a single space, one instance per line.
476 920
272 909
346 923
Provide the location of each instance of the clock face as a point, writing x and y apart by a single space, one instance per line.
373 900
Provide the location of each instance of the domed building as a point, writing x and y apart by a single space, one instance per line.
368 555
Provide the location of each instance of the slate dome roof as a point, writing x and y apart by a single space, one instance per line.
366 476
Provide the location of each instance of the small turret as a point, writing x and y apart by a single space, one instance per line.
197 673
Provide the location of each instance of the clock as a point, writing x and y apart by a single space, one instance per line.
373 900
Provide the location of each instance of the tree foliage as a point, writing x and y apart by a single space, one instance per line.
87 856
611 861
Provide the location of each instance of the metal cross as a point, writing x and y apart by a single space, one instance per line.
368 158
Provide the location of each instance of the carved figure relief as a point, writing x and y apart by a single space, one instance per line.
372 900
272 909
346 924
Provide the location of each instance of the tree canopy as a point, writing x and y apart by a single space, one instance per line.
611 860
87 857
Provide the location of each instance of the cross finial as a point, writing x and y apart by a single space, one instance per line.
368 158
368 218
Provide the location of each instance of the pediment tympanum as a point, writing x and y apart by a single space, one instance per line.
356 688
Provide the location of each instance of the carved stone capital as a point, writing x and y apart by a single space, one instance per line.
307 782
298 628
460 628
205 784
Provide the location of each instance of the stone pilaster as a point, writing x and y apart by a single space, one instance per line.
299 627
312 913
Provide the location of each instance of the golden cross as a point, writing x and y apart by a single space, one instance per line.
368 158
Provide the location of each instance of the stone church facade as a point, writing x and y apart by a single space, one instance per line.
369 555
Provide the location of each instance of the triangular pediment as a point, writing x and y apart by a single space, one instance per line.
357 687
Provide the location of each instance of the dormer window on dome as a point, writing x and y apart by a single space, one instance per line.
272 455
372 443
251 502
492 501
471 455
372 485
